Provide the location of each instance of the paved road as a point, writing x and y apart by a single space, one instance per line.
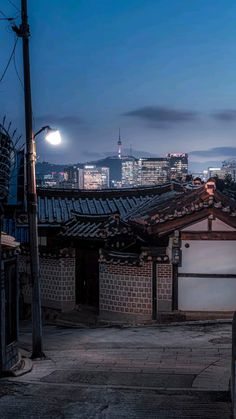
146 372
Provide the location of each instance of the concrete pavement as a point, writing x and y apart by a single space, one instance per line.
154 372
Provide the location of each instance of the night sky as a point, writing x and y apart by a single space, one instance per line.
162 71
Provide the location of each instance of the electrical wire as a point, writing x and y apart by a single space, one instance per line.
14 5
5 17
9 61
16 70
22 85
3 14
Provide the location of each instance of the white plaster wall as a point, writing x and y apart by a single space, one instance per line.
218 225
207 294
204 293
200 226
209 256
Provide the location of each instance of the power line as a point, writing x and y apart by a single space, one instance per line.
3 14
14 5
20 79
9 61
5 17
16 70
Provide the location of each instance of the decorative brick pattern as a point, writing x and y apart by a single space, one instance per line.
164 281
126 289
57 281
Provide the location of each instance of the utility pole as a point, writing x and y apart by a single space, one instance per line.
24 32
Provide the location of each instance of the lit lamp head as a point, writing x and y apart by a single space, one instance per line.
53 136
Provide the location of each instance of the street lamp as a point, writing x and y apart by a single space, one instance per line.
53 136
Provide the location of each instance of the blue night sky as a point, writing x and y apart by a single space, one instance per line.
164 72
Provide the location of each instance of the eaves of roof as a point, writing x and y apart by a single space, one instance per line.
168 226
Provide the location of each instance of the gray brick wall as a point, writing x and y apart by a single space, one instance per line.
164 286
57 281
126 291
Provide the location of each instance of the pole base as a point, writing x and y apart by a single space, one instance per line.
39 356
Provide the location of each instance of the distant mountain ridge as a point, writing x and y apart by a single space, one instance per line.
43 168
113 162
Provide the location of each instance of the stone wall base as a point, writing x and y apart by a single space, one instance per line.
164 305
62 306
124 317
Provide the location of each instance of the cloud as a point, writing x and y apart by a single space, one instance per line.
227 115
215 152
162 116
166 117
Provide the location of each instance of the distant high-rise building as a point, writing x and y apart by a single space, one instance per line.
178 165
93 177
153 171
130 171
229 167
71 175
216 171
144 171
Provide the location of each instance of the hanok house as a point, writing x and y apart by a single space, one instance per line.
9 303
136 253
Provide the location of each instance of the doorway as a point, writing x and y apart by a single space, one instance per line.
87 275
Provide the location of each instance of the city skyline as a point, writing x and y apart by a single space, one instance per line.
164 74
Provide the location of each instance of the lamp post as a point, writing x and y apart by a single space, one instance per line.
23 32
52 136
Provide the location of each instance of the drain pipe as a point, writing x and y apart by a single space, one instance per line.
154 290
175 287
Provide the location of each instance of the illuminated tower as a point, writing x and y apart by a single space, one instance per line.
119 143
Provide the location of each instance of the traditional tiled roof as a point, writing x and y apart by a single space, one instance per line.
55 206
135 259
165 215
95 227
144 210
50 252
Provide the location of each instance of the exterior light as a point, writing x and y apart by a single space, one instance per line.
53 136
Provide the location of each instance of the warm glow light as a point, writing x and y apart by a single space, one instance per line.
53 136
